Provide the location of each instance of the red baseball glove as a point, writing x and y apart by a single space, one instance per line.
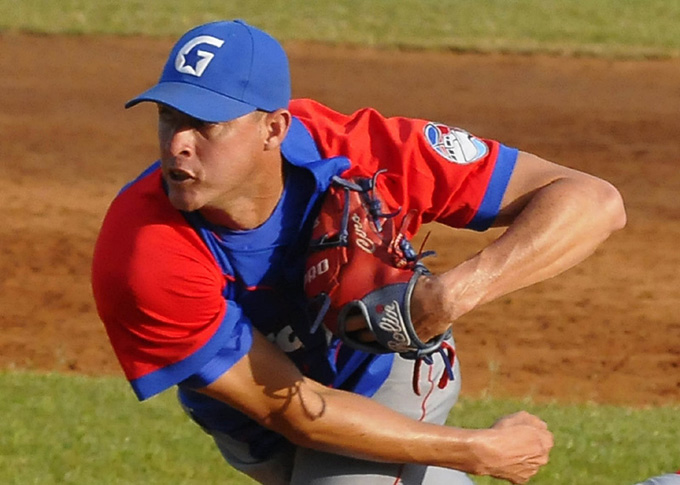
359 263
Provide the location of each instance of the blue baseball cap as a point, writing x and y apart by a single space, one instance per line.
223 70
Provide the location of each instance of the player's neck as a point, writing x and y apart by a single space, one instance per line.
248 210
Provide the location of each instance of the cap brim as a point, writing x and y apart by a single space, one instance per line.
195 101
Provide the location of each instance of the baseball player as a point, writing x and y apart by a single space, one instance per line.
198 271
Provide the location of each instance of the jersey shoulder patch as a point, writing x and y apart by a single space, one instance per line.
454 144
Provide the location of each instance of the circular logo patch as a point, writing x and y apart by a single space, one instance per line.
454 144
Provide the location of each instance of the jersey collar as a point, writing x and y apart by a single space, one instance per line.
300 149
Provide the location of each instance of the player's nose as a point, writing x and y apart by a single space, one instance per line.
177 141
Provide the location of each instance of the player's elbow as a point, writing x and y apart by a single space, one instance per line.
611 206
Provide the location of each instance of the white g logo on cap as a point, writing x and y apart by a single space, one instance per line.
205 56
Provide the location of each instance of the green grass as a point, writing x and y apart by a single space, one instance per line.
60 429
599 27
77 430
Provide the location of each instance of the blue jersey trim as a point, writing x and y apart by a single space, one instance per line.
374 375
150 169
201 363
491 204
300 149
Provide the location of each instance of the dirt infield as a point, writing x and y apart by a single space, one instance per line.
606 331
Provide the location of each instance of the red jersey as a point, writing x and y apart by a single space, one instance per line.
180 298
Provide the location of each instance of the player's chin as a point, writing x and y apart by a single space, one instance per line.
183 199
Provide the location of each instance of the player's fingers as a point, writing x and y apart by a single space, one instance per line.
355 323
522 418
356 326
526 470
548 441
535 422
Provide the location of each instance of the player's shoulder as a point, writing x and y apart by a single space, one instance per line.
316 114
399 144
143 203
355 134
141 227
306 107
368 127
143 197
147 255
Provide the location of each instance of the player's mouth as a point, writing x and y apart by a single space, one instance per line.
178 175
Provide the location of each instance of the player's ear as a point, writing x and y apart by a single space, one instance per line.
277 124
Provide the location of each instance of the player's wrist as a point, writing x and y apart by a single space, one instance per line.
464 287
473 451
429 311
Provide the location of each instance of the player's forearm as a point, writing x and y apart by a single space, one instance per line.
562 224
268 387
265 385
349 424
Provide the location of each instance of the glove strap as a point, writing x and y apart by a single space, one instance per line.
448 354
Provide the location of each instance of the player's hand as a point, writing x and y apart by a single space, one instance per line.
428 312
515 448
357 326
520 418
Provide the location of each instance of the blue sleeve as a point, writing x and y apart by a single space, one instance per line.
228 345
491 203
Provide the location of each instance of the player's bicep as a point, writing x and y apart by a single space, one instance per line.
530 174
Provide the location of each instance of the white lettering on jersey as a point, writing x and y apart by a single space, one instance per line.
285 339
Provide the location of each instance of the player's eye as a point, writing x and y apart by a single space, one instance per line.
166 114
205 128
171 116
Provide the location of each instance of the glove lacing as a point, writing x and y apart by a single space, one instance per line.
448 354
